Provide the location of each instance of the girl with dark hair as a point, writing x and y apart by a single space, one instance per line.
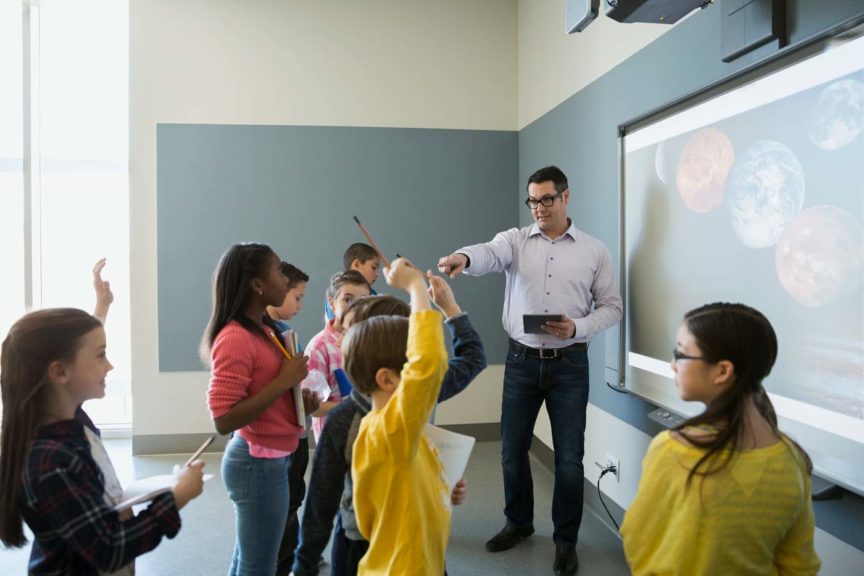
55 472
250 393
726 492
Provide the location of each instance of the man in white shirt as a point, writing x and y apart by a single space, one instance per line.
550 268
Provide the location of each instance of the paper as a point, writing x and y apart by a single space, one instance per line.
147 489
453 450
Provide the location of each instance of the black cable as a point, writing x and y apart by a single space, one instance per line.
618 389
600 494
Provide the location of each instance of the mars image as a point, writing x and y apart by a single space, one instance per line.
820 256
703 167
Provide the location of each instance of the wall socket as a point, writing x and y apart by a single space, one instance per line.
614 461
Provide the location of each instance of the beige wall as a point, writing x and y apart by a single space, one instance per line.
396 63
553 65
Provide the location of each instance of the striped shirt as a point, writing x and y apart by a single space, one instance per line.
571 275
754 517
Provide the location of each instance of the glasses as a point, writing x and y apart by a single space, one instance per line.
678 356
547 201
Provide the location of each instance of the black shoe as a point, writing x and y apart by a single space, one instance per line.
566 561
508 537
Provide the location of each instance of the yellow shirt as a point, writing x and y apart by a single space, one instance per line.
753 517
401 498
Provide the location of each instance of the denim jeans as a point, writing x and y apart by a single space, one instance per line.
258 487
563 384
345 554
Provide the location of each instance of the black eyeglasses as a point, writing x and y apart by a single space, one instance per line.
547 201
678 356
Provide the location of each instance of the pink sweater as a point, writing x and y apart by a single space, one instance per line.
242 363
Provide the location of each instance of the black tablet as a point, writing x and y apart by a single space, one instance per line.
533 323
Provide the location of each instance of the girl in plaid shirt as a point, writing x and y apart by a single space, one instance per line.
55 473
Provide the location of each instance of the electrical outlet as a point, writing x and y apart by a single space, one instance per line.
614 461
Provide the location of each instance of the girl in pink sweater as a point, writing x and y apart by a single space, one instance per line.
250 393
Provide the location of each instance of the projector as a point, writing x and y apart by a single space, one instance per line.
651 11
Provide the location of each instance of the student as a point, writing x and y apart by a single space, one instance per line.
250 393
55 472
725 492
323 351
401 499
330 483
362 258
297 280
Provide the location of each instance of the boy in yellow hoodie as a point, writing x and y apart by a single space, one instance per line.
401 497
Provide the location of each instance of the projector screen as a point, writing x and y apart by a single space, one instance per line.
756 195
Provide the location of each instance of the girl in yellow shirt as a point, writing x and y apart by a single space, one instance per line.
725 492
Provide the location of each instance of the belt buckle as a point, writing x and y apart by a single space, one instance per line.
552 353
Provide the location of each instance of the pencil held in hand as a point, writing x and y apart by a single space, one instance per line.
199 451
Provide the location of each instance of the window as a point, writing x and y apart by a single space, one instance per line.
67 205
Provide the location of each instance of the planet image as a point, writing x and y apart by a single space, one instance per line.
765 191
838 115
820 256
660 163
703 166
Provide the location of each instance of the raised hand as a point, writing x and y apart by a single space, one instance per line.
104 296
442 295
402 274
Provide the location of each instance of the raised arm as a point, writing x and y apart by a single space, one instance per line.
469 357
104 296
479 259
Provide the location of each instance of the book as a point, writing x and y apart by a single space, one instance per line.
147 489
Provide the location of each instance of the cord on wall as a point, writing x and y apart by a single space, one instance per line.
603 471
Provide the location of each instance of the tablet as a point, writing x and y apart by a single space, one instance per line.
533 323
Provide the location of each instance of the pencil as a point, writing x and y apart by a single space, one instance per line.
372 242
279 344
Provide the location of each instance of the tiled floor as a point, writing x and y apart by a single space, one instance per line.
205 542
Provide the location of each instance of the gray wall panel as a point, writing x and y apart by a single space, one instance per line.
421 193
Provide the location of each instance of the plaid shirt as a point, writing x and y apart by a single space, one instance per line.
63 503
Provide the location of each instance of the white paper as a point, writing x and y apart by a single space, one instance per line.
453 450
149 488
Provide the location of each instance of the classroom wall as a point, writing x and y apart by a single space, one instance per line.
580 135
385 63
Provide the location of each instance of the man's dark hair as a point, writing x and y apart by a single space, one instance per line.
549 174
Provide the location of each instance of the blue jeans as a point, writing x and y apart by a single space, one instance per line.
563 384
258 487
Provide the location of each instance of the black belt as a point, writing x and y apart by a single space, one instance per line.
547 353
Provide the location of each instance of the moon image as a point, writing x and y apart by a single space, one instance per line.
703 167
838 115
765 190
660 164
820 256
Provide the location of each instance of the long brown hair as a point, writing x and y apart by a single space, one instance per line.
33 343
744 337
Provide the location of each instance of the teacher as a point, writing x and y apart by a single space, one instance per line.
550 267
